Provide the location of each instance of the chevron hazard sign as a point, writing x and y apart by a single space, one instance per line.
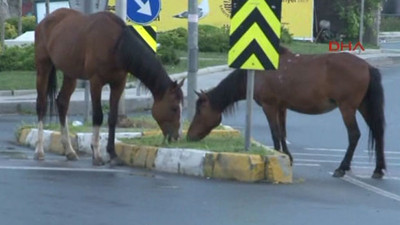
254 34
148 34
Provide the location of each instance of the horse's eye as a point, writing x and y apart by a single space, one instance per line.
175 109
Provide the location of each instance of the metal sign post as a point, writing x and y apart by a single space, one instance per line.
254 38
249 107
361 24
193 19
120 11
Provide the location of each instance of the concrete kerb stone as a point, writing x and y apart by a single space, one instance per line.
274 168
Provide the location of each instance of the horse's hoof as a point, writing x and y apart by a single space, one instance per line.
339 173
72 156
116 162
38 156
98 161
378 175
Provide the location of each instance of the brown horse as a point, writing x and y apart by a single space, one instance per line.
310 84
102 49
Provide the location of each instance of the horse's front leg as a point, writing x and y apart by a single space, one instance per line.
97 119
349 118
115 94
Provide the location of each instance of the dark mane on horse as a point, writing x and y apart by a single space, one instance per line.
142 62
229 90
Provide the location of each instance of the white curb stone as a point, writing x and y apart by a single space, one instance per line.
182 161
32 138
85 141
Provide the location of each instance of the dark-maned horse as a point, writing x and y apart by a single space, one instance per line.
102 49
310 84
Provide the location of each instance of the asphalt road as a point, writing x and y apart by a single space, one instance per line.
59 192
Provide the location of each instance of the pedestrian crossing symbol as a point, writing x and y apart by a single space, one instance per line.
254 34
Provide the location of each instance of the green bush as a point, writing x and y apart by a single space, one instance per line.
10 31
210 39
28 23
168 55
17 58
213 39
390 23
176 38
286 36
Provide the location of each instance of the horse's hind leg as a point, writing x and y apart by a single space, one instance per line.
63 99
97 119
349 118
44 68
377 138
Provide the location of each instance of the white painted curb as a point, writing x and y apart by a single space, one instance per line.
181 161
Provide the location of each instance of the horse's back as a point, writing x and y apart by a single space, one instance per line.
315 84
78 43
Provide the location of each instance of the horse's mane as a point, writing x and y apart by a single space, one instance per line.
137 58
228 91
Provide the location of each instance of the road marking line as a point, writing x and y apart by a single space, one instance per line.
62 169
307 164
344 150
326 149
340 156
385 177
369 187
337 161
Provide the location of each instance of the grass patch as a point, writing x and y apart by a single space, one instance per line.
215 142
306 47
17 80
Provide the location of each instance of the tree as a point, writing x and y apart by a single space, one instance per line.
3 16
19 17
349 12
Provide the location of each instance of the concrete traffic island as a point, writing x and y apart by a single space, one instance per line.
273 168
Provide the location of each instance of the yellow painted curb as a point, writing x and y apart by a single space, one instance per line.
23 135
55 143
124 152
242 167
278 168
228 132
137 156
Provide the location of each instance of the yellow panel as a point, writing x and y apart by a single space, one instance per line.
254 32
147 37
253 64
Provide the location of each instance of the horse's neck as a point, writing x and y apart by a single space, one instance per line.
229 91
153 76
142 62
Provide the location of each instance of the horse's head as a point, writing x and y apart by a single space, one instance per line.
205 119
168 109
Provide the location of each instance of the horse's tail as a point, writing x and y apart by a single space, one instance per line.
375 116
51 90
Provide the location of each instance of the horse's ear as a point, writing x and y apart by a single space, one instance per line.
197 93
181 82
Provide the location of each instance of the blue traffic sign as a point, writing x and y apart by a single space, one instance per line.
143 11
